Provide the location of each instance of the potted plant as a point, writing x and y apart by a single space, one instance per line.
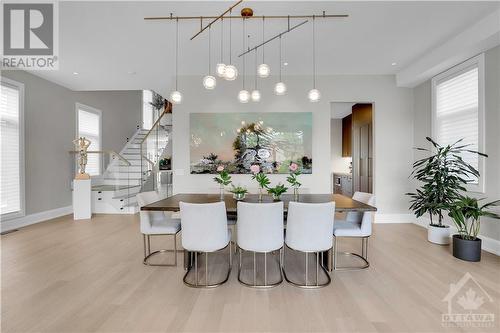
277 191
223 179
293 180
261 179
443 175
239 192
466 213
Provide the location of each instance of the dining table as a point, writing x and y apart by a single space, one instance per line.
342 204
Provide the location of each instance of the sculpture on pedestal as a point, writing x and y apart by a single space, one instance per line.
82 144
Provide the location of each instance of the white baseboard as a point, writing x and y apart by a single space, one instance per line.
394 218
35 218
488 244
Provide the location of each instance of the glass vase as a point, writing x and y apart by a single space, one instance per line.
296 194
260 194
222 193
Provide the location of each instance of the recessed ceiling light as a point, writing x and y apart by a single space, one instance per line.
285 64
394 64
75 73
131 73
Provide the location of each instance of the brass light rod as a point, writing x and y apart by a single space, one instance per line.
215 19
273 38
244 17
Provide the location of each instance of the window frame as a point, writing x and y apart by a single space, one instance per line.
86 108
449 74
22 170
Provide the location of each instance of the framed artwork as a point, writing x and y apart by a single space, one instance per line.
237 141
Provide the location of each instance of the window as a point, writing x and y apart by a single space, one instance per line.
147 109
11 149
89 126
458 111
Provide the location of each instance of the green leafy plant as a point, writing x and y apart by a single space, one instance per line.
466 214
262 179
292 179
238 190
443 175
223 179
278 190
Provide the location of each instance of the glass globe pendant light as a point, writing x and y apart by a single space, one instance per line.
280 87
209 82
314 95
263 69
230 72
243 95
255 95
176 95
220 68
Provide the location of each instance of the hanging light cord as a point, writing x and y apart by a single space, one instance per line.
176 51
263 29
244 62
222 40
255 76
280 58
230 39
314 52
209 49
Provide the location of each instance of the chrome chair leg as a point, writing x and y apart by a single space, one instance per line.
255 285
363 256
196 283
318 266
148 254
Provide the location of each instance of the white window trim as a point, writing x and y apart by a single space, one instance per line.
22 211
454 71
80 106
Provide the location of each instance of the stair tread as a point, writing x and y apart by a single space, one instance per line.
112 187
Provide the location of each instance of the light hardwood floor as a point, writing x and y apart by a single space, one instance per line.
67 276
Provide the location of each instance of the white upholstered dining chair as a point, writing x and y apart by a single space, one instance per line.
260 230
308 230
204 229
356 225
155 223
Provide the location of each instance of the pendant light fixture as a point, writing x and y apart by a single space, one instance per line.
255 93
280 87
209 82
314 95
220 68
231 72
243 95
176 96
263 69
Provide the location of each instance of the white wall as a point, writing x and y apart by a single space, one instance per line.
422 121
339 164
393 129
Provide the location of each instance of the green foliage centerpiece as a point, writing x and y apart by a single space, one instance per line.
277 191
261 178
223 179
293 180
239 192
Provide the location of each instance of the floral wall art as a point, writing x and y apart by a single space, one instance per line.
239 140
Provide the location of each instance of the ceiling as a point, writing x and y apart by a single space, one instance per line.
111 47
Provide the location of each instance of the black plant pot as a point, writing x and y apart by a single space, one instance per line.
469 250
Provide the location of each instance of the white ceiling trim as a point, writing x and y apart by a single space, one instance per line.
478 38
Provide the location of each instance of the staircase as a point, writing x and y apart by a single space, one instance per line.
116 192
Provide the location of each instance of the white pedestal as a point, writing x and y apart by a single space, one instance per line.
82 199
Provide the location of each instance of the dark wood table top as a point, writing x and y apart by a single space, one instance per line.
342 203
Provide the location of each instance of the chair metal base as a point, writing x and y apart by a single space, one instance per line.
206 285
148 254
363 256
255 285
319 263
